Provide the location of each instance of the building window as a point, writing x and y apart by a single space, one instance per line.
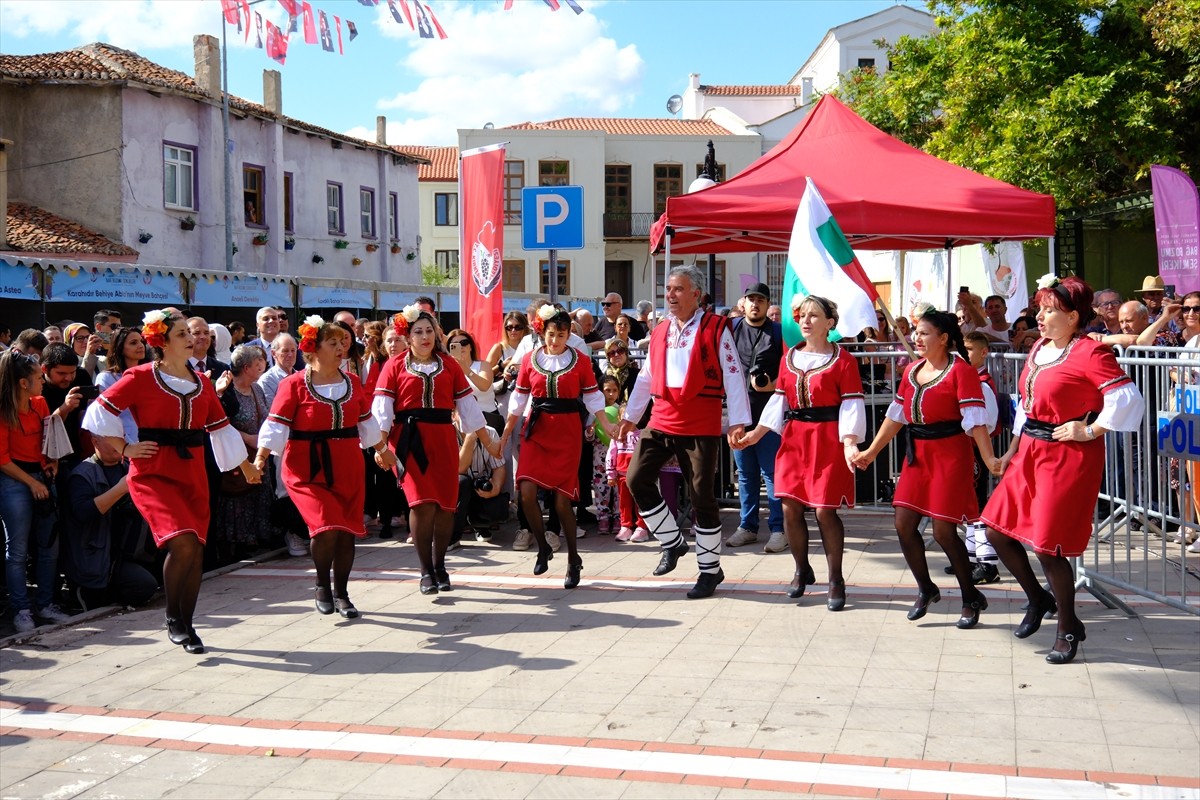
554 173
668 182
514 182
514 275
720 172
366 212
617 188
333 207
393 216
253 195
288 214
445 208
447 261
866 64
564 277
776 264
179 176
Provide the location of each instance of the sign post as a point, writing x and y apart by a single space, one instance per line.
555 224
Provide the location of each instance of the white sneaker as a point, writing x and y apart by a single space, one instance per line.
523 540
367 520
624 534
741 537
1194 547
52 613
640 535
23 621
296 545
580 533
554 540
778 543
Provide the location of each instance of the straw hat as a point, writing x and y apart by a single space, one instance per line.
1151 283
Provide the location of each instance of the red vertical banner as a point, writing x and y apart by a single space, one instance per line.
481 259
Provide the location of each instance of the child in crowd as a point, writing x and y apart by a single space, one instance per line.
982 553
604 495
620 453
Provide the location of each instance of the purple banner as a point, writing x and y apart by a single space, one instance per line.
1177 226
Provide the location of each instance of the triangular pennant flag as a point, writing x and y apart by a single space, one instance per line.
258 24
508 5
407 14
437 26
293 24
369 2
337 23
310 25
290 6
395 12
326 33
247 19
552 3
277 44
424 27
230 7
574 6
350 26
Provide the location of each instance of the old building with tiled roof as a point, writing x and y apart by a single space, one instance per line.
34 230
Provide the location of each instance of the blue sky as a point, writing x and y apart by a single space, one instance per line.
619 58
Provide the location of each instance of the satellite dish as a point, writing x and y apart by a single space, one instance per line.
674 103
487 126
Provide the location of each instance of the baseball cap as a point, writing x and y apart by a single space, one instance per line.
759 289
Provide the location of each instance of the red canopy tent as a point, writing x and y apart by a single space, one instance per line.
884 194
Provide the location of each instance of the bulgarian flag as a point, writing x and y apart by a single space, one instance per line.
820 262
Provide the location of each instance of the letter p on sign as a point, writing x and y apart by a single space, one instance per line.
553 218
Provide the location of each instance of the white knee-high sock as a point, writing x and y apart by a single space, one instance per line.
971 541
708 549
660 523
984 552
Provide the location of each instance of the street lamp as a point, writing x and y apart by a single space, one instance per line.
708 178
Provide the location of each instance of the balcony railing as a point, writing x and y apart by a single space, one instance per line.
626 225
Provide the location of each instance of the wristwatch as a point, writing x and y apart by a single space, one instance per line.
1091 434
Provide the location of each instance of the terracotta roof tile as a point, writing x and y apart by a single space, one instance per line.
622 126
769 90
35 230
443 161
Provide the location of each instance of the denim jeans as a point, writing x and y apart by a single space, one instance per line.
756 466
22 521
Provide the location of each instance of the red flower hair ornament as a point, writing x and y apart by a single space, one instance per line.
308 331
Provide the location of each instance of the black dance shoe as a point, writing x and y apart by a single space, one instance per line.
706 584
428 585
177 632
345 608
802 578
1037 610
923 600
670 558
324 602
543 557
443 580
836 602
193 645
970 613
1073 640
573 573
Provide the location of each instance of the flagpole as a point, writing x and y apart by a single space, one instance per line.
891 322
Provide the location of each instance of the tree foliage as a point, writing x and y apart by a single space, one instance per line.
1073 98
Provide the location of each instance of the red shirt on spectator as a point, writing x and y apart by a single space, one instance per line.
24 443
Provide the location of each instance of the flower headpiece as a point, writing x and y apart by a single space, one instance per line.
543 315
1048 281
308 331
154 327
404 320
1054 283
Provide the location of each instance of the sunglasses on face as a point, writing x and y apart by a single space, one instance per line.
271 319
513 328
1191 309
459 344
608 302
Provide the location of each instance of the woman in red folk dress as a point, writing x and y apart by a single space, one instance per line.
174 408
1071 392
414 398
320 423
819 411
555 388
939 399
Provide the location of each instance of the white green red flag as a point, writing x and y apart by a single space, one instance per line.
820 262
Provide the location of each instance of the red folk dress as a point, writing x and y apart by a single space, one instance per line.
550 454
410 389
939 483
1048 492
810 467
170 491
332 499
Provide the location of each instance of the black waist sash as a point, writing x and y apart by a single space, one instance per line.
410 436
182 441
29 467
1040 429
813 414
553 405
320 457
934 430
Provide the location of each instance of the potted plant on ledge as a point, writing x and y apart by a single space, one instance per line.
260 239
372 247
395 248
340 244
289 242
188 223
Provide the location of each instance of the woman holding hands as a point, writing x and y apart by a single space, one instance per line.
320 421
819 411
939 398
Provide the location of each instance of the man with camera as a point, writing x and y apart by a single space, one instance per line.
480 485
759 344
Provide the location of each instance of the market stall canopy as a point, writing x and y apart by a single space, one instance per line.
884 194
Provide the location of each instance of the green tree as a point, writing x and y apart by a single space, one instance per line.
1074 98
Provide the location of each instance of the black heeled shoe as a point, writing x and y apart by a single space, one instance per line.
543 557
1037 610
324 601
924 599
443 580
177 632
1073 640
345 608
802 578
670 558
970 615
573 573
428 584
836 603
193 645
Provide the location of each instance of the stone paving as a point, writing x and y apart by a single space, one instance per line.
511 686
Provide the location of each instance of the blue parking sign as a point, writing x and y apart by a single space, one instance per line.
552 218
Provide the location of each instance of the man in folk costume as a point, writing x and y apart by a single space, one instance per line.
692 365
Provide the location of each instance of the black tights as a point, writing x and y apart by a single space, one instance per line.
333 550
183 570
431 527
1056 568
833 537
533 514
946 535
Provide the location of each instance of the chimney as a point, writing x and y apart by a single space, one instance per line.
694 81
806 91
208 64
381 130
273 91
5 144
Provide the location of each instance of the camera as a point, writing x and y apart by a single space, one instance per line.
483 484
760 378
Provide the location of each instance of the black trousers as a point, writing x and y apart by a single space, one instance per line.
697 459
